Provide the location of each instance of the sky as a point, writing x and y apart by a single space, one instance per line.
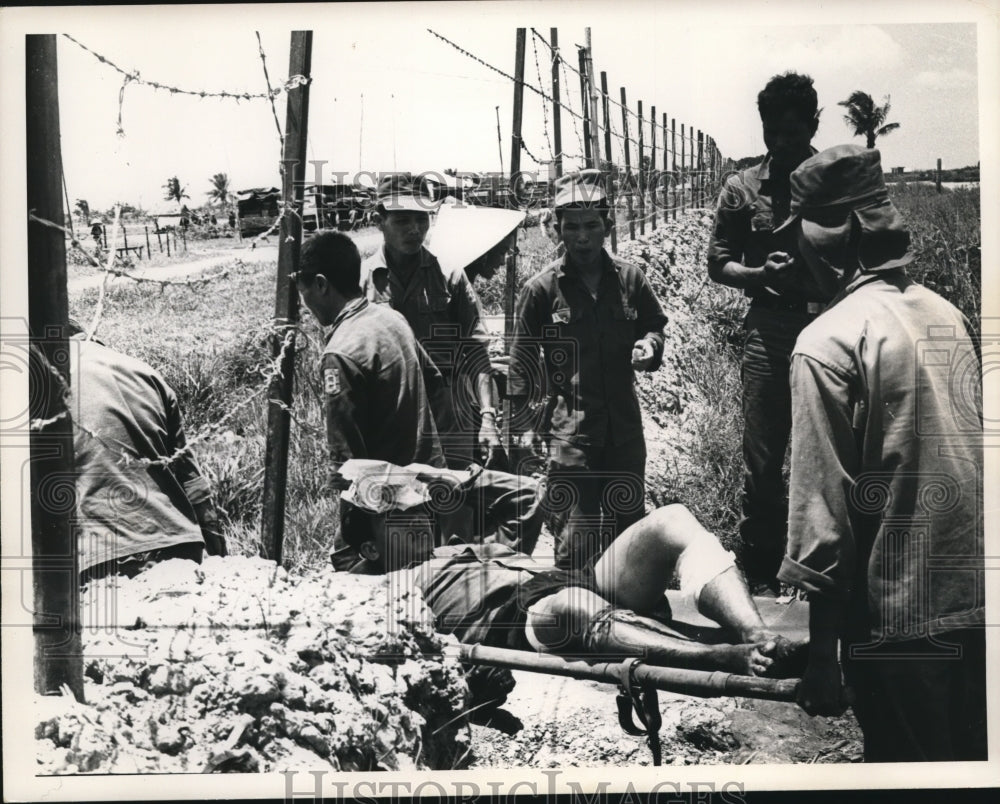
387 94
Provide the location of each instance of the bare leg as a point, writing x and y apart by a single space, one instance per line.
635 570
576 620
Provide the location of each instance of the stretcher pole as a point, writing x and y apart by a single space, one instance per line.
699 683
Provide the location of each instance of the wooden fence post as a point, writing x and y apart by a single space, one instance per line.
701 170
58 654
556 107
609 183
628 167
587 153
149 249
595 127
937 176
510 280
683 176
642 177
673 174
651 176
286 305
666 167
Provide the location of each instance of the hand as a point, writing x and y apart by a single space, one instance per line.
642 355
821 691
489 439
779 270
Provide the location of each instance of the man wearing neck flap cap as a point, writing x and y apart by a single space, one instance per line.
885 516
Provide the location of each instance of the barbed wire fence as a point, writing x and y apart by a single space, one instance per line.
114 262
687 178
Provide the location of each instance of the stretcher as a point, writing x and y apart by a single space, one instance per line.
639 683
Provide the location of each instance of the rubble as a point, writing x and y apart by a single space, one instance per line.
237 666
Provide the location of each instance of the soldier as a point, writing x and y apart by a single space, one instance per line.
442 309
596 321
886 478
141 496
376 403
374 393
743 253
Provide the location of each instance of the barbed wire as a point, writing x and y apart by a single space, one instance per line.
545 106
556 55
135 75
270 92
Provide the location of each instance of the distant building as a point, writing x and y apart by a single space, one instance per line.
897 171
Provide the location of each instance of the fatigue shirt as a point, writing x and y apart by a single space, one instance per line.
587 350
752 204
373 388
125 416
886 476
440 306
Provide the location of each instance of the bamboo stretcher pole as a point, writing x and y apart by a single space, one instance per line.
700 683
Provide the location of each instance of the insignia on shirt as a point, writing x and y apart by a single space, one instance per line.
331 381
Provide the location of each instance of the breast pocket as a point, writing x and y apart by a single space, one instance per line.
762 219
623 324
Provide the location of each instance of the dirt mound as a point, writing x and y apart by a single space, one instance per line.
236 666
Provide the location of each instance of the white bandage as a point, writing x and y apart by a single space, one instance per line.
702 560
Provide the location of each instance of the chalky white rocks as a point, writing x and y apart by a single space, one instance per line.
236 666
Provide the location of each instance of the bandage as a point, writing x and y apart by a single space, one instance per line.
702 561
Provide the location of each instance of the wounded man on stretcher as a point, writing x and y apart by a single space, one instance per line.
493 595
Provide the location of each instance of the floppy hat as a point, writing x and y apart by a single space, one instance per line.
400 192
583 188
842 182
462 234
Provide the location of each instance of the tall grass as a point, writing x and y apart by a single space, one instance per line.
945 233
212 346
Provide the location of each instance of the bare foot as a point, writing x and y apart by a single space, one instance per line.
748 659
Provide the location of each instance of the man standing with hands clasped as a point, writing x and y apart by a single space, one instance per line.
595 321
744 253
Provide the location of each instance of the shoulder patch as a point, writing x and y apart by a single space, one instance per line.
331 381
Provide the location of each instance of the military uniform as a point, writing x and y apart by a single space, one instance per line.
442 309
597 452
374 395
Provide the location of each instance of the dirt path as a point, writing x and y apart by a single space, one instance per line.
367 241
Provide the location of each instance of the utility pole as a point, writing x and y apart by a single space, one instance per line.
58 654
286 307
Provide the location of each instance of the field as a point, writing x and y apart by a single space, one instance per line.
211 342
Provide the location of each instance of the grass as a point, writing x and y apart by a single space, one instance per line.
212 346
945 233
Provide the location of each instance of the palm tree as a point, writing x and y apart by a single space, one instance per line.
84 209
867 118
174 190
220 190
